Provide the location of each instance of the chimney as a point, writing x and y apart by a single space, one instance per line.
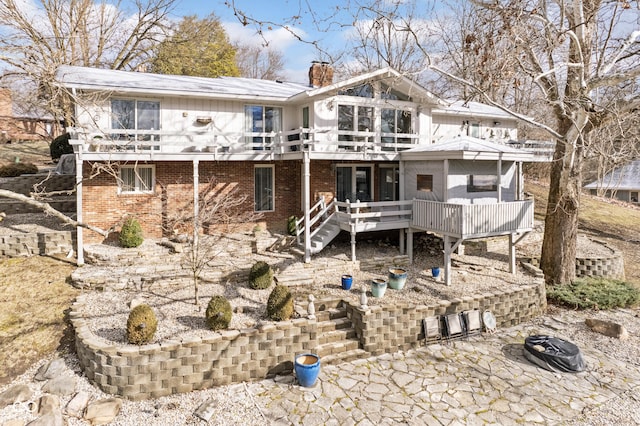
320 74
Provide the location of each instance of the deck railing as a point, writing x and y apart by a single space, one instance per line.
301 139
361 213
473 220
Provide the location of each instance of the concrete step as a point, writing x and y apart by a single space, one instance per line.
330 314
336 336
335 324
337 348
346 356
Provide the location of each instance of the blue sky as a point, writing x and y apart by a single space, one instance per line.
298 55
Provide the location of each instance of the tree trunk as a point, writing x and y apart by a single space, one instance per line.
558 260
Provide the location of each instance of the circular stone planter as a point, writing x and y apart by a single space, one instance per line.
378 287
397 278
307 368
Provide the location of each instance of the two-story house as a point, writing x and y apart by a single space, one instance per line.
354 155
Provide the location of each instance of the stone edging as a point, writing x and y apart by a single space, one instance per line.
37 243
232 356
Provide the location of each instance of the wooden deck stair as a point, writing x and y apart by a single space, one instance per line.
337 337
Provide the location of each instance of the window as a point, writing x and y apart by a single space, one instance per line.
353 118
390 94
136 179
424 183
395 122
305 121
389 184
131 114
354 183
482 183
473 130
263 188
361 91
634 196
262 119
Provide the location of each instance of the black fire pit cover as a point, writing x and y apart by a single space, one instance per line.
553 354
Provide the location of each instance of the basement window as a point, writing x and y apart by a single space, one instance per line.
138 179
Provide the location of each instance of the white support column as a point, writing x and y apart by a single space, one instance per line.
410 244
512 254
79 218
196 203
353 243
401 237
499 172
447 260
307 206
445 192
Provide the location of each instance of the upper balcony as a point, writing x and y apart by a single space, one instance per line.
119 144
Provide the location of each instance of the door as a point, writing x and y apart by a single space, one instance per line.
354 183
389 184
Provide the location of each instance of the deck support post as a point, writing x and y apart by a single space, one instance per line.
448 249
79 218
410 244
353 243
401 237
513 240
307 207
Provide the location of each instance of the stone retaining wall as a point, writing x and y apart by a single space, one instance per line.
25 185
45 243
151 371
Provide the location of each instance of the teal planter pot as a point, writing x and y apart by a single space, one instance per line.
347 281
397 278
307 368
378 287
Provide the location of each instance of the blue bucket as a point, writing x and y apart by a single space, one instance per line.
435 272
307 368
347 280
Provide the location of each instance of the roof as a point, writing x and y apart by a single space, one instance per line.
163 84
626 177
472 109
393 78
224 87
466 148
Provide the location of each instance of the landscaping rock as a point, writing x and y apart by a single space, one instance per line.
48 404
18 393
14 422
137 301
78 403
206 409
61 386
53 418
103 411
607 328
51 370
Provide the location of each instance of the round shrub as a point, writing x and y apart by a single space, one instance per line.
131 233
280 304
60 146
17 169
218 313
141 325
260 276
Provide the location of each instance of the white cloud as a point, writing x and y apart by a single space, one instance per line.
277 38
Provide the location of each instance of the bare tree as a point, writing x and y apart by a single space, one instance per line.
217 212
261 62
40 36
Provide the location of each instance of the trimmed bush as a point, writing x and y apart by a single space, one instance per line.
280 304
141 325
60 146
260 276
291 225
17 169
594 293
131 233
218 313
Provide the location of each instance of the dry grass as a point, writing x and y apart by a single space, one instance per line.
613 222
34 296
36 152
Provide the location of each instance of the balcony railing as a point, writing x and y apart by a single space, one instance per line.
473 220
290 141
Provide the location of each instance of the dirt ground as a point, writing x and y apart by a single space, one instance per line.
36 152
